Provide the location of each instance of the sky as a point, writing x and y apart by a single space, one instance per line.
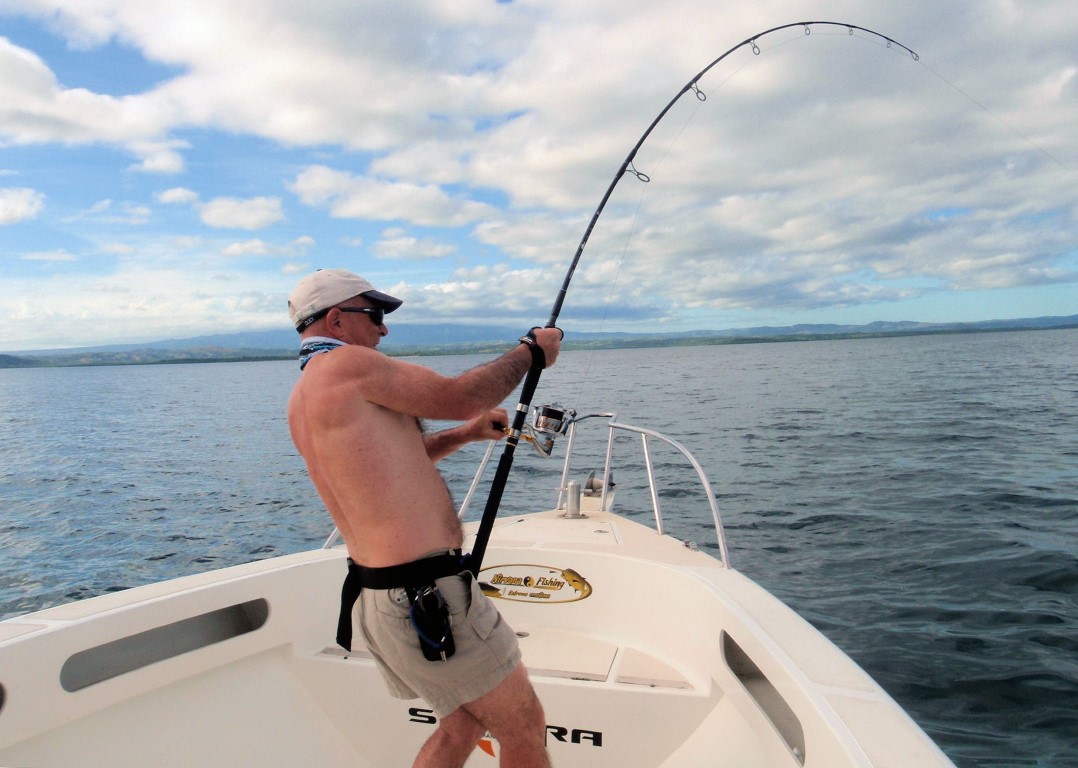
172 169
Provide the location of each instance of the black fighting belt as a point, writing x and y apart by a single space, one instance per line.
418 579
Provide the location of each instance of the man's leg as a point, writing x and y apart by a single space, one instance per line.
513 715
450 745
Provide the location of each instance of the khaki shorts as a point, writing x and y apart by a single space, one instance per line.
487 648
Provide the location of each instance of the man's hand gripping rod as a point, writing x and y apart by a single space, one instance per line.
474 561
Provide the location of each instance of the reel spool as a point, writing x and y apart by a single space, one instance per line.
548 421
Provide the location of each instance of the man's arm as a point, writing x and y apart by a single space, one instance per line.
489 426
418 391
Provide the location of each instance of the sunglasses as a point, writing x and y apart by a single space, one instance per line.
377 314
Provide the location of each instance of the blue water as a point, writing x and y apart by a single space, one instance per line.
915 498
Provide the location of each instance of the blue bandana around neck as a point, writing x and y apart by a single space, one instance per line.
317 345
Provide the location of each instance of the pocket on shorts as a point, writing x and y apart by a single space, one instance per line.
482 615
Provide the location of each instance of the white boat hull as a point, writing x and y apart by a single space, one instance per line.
669 660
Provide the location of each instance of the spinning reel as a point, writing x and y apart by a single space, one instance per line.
548 421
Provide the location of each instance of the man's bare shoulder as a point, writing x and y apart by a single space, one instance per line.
350 362
357 370
332 388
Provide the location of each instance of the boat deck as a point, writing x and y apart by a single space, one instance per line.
644 652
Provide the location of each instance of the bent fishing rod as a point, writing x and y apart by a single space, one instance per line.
531 381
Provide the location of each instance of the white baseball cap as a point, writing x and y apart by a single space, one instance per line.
316 293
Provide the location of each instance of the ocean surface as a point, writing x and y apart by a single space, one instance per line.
914 498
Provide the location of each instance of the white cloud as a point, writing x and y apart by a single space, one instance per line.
108 212
348 196
99 207
178 195
136 214
57 255
247 248
140 303
399 244
158 156
257 247
35 108
466 295
19 204
1056 84
825 171
234 213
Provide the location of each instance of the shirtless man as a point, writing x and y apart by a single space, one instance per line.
354 417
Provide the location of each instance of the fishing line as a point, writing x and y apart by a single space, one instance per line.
585 376
645 179
653 171
1001 121
531 381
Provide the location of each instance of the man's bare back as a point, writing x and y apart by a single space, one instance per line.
370 465
353 419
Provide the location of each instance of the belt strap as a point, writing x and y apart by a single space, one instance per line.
423 571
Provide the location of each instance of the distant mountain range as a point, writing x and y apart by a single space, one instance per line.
450 339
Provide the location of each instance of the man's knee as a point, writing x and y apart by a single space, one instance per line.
452 742
460 728
512 711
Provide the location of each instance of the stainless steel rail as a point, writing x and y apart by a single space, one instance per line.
646 435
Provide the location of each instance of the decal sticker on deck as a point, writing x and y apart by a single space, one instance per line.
488 743
528 583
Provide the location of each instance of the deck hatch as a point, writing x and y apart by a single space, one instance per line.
127 654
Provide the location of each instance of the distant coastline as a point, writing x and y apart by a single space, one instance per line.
441 340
